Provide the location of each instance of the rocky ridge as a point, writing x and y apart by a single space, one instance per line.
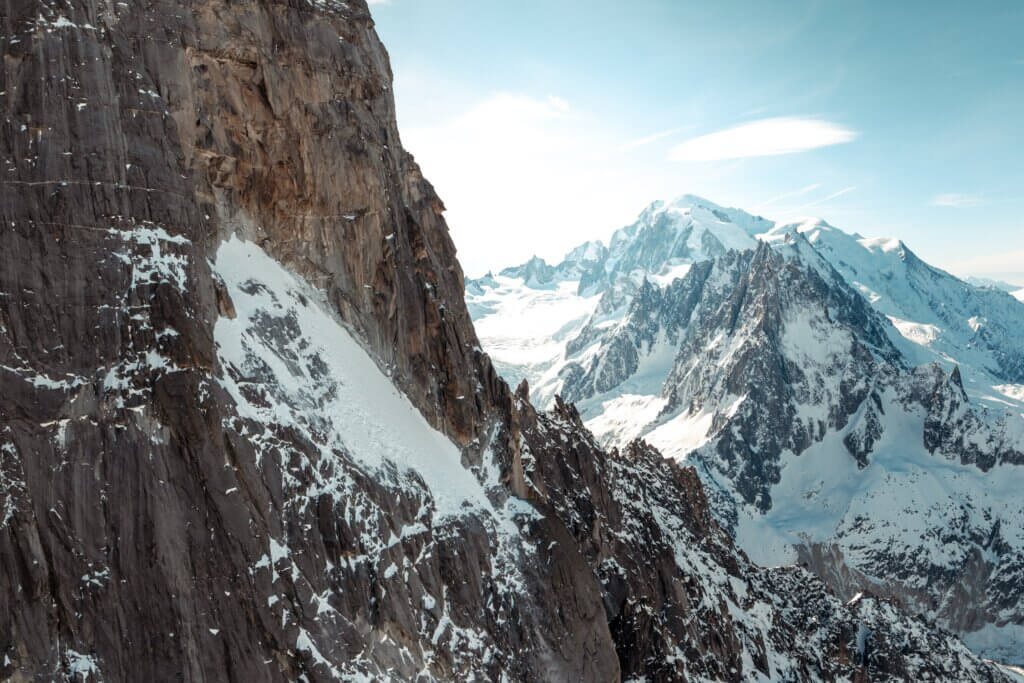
789 371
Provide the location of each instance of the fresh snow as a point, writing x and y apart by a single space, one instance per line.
525 329
921 334
670 273
322 383
681 435
935 314
616 417
1013 392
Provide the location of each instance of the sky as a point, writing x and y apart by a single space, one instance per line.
543 124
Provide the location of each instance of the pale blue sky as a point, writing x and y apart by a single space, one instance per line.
543 124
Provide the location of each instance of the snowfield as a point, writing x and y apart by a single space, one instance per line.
525 329
353 407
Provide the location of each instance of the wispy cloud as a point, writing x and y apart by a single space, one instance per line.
648 139
788 195
817 202
955 200
767 137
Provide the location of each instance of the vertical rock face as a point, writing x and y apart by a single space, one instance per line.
135 140
216 266
270 120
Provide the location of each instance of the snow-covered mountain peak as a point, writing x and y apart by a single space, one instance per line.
686 210
667 236
816 229
811 373
820 232
591 250
699 206
935 316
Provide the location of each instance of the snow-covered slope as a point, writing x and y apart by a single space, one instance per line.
1019 295
946 319
298 376
821 382
526 328
316 381
319 411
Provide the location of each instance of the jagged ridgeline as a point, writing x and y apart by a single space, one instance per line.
247 432
848 406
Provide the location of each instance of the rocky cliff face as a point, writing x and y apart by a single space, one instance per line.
246 430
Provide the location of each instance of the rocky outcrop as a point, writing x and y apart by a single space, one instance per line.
655 317
682 603
796 371
954 429
246 430
784 336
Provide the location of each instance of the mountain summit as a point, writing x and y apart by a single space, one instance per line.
845 403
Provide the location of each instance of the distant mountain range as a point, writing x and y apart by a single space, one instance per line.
848 405
994 284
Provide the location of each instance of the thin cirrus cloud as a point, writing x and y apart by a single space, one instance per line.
787 195
956 200
766 137
828 198
648 139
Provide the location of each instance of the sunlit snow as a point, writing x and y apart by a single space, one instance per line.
322 383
